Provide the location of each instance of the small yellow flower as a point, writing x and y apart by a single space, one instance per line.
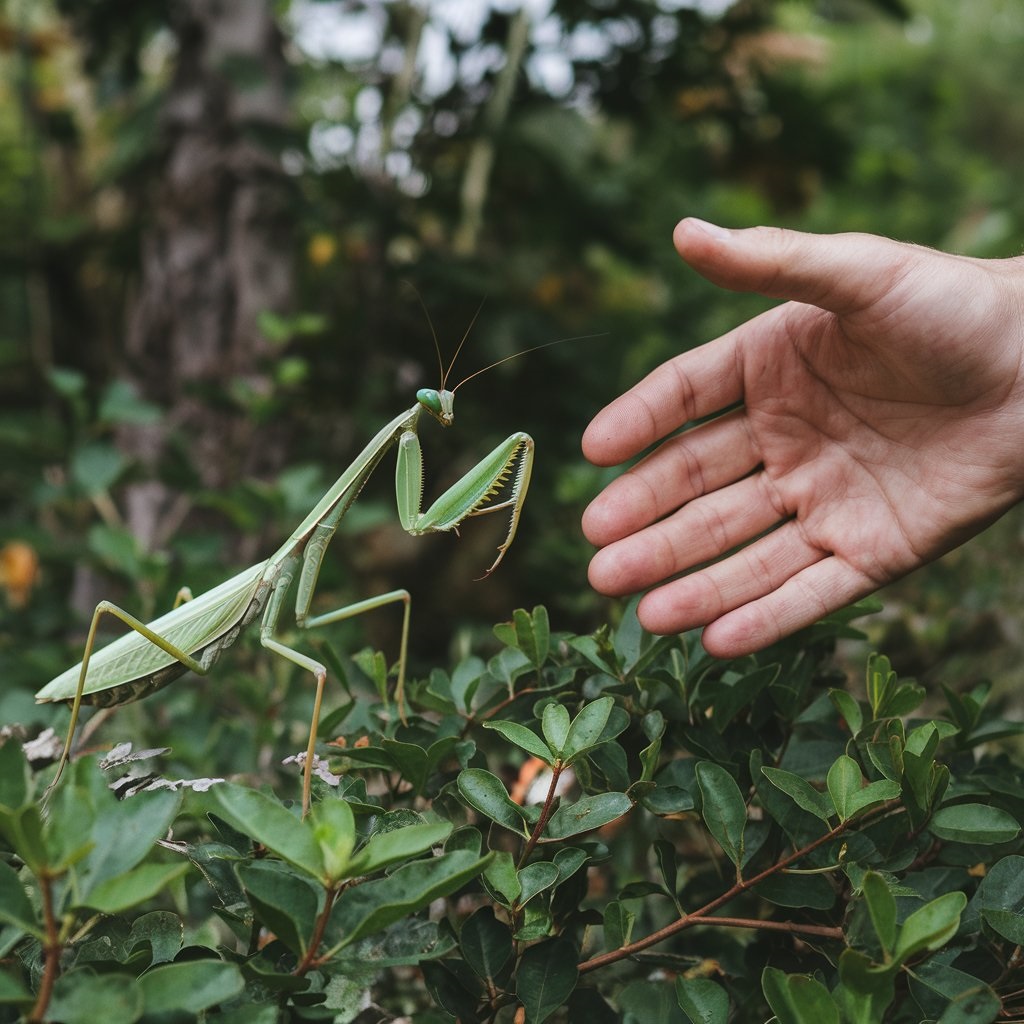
321 249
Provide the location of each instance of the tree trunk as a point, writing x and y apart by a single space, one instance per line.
215 254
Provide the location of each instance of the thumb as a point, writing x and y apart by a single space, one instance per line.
840 273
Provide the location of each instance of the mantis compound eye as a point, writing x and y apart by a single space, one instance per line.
431 399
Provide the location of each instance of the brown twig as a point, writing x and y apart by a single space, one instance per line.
546 812
51 950
703 916
310 960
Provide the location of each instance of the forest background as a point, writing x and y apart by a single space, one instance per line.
223 224
217 221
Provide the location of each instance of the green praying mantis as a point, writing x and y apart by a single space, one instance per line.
196 633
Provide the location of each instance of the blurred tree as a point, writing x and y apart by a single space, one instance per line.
215 236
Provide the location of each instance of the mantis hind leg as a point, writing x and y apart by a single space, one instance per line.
320 671
106 608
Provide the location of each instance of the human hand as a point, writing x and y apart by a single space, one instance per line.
881 424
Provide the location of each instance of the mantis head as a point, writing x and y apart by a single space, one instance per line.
438 404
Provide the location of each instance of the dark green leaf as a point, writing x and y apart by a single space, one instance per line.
385 848
798 999
374 905
848 707
545 978
133 887
284 902
487 794
723 808
586 814
703 1001
844 782
555 725
587 727
973 823
534 879
15 906
931 926
618 925
801 791
486 943
1000 898
190 987
82 997
269 822
882 909
523 737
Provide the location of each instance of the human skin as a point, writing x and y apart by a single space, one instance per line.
870 423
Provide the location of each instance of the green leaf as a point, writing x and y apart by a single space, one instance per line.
385 848
410 758
555 725
618 922
723 808
523 737
801 792
190 987
121 404
844 782
973 823
930 927
451 988
15 906
534 879
881 908
586 814
465 682
95 467
13 777
702 1000
865 991
872 795
848 707
133 887
285 902
793 890
966 999
501 875
374 905
587 727
798 999
334 829
161 931
545 978
486 944
82 997
533 634
569 860
269 822
1000 898
486 793
123 833
12 991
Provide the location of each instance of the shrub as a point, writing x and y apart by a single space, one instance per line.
583 828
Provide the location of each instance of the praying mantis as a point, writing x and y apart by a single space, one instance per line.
197 632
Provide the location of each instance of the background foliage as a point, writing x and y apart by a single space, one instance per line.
215 220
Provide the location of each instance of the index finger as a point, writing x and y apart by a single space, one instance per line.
688 387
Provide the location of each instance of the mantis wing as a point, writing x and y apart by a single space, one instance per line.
190 627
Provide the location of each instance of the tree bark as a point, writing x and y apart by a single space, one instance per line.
215 254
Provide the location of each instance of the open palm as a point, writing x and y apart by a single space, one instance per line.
875 422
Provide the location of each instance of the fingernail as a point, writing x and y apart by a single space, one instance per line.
712 230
